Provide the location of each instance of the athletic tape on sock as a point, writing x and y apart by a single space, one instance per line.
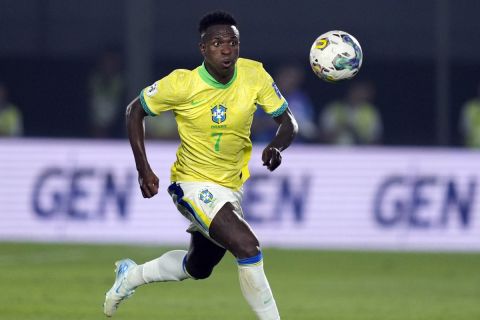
251 261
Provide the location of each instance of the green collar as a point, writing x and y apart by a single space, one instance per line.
209 79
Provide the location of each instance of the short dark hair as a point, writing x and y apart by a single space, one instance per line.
215 18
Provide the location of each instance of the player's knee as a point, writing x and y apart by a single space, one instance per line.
199 272
247 249
203 274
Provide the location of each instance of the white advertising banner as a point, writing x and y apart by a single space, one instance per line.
349 198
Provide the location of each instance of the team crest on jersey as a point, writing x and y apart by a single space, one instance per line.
274 85
219 113
206 196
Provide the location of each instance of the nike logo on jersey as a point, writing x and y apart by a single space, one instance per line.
194 103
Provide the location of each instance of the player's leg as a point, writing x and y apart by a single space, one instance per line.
176 265
129 275
233 232
203 255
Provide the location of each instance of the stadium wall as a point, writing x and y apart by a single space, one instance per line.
321 197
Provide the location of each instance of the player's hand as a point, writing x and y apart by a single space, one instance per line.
148 183
271 158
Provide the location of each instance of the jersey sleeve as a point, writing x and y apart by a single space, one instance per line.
165 93
269 97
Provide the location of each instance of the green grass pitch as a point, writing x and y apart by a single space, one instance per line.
48 282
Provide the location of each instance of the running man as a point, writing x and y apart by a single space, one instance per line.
213 107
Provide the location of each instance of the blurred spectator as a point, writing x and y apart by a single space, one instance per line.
470 122
289 79
354 120
161 127
106 91
11 123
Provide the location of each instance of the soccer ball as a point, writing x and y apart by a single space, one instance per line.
336 55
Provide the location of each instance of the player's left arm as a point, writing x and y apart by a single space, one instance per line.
287 130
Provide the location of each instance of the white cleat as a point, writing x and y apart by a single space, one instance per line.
120 289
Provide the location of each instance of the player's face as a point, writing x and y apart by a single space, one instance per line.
220 47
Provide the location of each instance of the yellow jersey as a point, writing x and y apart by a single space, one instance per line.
214 119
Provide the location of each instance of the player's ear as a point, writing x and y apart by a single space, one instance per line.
201 46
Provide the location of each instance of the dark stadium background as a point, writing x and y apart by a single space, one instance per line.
421 55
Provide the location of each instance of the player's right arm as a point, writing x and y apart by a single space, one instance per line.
161 96
147 179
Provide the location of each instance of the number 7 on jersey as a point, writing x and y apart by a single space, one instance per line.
218 136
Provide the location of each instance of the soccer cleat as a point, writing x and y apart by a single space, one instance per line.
120 289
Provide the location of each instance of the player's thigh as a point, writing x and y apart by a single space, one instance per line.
203 255
232 232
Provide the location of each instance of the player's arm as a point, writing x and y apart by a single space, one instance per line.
287 130
147 179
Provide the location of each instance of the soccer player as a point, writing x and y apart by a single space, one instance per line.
213 106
